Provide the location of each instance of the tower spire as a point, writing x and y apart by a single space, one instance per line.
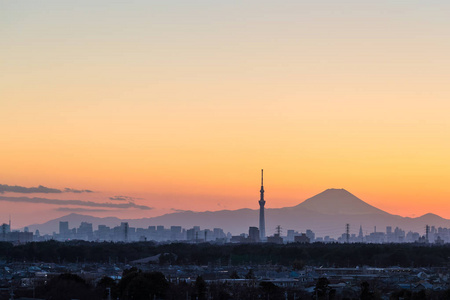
262 202
262 186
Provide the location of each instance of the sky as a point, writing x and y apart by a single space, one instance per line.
139 108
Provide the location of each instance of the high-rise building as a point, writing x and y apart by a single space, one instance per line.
63 229
311 235
103 232
124 231
290 235
388 229
4 230
175 233
262 222
85 231
253 234
219 234
193 233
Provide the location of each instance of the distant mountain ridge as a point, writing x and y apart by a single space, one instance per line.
325 213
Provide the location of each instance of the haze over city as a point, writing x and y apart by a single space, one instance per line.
139 109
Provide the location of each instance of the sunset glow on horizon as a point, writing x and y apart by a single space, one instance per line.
178 105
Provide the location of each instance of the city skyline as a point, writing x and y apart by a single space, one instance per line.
323 205
159 233
326 213
141 109
117 203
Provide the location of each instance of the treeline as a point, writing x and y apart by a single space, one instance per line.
297 255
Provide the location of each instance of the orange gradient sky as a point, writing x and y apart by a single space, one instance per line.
179 104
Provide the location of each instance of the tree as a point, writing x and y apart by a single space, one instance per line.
366 294
66 287
420 295
139 285
167 259
104 284
298 264
129 271
234 275
270 290
200 286
250 274
322 289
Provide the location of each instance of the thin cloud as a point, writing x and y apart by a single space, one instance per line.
69 190
79 209
74 202
122 198
39 189
25 190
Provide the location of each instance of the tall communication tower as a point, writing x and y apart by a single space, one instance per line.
262 222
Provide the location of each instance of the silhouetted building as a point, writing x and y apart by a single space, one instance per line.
311 235
253 235
175 233
5 229
276 239
64 230
239 238
124 231
301 239
6 235
290 235
20 237
193 233
219 234
103 233
85 231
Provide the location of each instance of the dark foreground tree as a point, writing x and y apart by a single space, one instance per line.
270 290
322 290
250 274
106 286
200 287
66 287
138 285
366 294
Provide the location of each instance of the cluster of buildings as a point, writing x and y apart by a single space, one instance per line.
432 235
6 235
125 233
